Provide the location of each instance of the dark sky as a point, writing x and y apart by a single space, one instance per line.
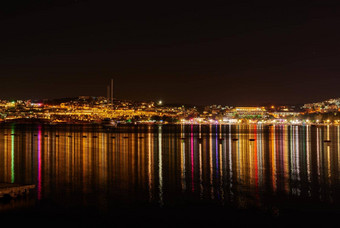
217 52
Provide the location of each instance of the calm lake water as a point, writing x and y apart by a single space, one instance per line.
210 173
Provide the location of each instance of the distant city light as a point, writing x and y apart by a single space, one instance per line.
85 109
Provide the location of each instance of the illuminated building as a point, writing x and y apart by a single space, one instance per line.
249 111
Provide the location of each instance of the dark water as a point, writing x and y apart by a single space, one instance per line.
172 175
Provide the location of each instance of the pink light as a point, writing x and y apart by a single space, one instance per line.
39 163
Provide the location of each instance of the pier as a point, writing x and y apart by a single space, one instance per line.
14 190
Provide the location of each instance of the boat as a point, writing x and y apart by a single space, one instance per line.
108 123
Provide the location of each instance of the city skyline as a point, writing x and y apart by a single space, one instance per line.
103 110
111 96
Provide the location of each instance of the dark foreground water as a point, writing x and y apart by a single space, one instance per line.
184 176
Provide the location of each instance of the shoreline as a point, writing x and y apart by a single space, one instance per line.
158 124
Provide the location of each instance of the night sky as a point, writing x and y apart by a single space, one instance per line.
217 52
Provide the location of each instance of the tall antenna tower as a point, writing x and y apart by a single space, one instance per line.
109 93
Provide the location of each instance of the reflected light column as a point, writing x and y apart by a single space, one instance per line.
318 153
192 158
12 155
150 166
183 161
230 164
328 159
211 163
256 163
160 168
297 144
338 130
286 157
308 153
200 164
273 156
39 162
259 156
329 176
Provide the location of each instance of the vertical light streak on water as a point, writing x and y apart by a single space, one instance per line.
67 160
192 158
139 153
297 155
329 176
39 163
273 159
282 156
230 165
294 160
221 173
259 155
124 156
183 160
134 160
322 157
338 128
47 155
241 156
327 132
70 158
5 156
321 162
308 153
221 163
251 164
256 161
303 150
238 156
160 166
249 159
200 164
216 153
105 158
144 154
291 131
318 153
286 157
294 154
84 155
149 167
259 149
12 155
224 161
211 163
328 159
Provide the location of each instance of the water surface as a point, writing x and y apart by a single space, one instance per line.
260 170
